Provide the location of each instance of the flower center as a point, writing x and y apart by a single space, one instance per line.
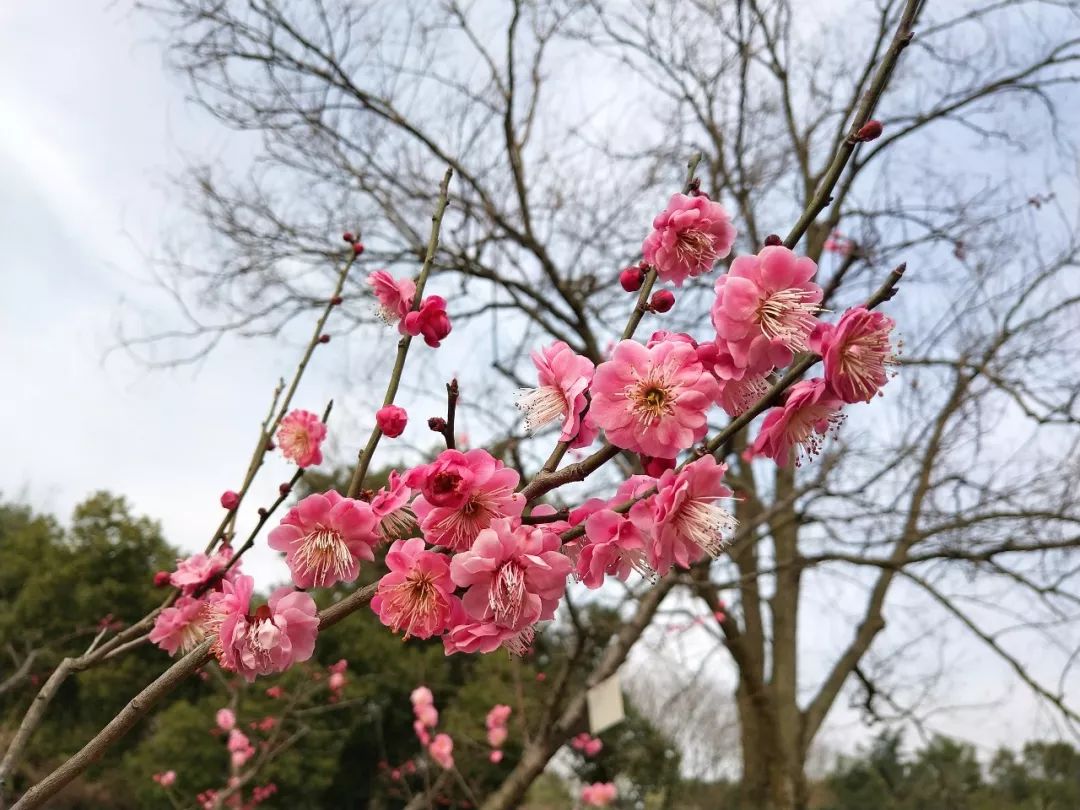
508 593
295 442
323 552
785 316
807 429
397 523
863 360
444 483
460 526
652 400
695 247
415 604
541 406
704 524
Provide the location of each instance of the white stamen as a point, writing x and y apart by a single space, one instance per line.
324 551
541 406
705 524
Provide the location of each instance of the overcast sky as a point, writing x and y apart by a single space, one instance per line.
91 126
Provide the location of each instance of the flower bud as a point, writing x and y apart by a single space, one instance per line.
284 489
391 420
772 240
357 248
229 499
262 511
437 423
336 300
869 131
161 579
662 301
631 279
324 338
349 237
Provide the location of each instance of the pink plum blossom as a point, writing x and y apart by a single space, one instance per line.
300 435
165 779
442 751
462 494
179 627
240 748
614 546
513 576
687 238
391 420
391 508
498 715
324 537
652 401
225 719
857 352
563 378
199 569
415 596
599 794
685 512
430 320
273 638
495 757
468 636
395 296
421 731
765 308
810 410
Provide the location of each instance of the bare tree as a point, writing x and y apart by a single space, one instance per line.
567 125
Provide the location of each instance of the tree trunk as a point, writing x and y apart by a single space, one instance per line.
770 781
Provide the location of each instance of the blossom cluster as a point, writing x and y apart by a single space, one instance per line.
468 558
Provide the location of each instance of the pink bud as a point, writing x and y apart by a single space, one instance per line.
631 279
229 499
324 338
662 301
540 677
772 240
349 237
437 423
869 131
161 579
357 248
391 420
495 757
284 489
225 719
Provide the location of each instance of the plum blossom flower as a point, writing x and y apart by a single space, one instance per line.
324 537
423 703
587 744
563 378
765 307
179 627
225 719
857 352
652 401
810 410
273 638
615 546
495 757
461 495
415 596
240 748
392 510
430 320
685 516
442 751
468 636
165 778
687 238
395 296
514 576
599 794
391 420
300 435
198 569
495 722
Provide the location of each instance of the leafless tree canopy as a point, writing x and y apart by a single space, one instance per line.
567 125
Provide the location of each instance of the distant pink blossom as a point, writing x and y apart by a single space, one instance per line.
392 510
495 757
765 307
615 546
442 751
587 744
391 420
225 719
273 638
421 696
324 537
801 423
165 779
652 401
179 627
497 736
300 437
423 703
336 682
857 352
240 748
688 237
685 512
430 320
563 378
421 731
275 692
498 715
461 495
395 296
416 595
599 794
514 576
